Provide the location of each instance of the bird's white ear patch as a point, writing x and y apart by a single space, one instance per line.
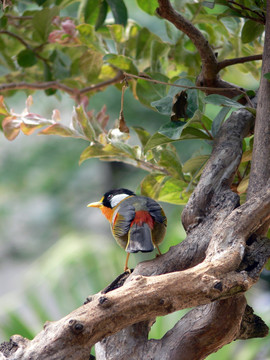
115 200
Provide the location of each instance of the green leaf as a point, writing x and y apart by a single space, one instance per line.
172 130
125 148
142 46
171 162
193 133
158 50
87 33
165 188
121 62
221 100
156 140
60 65
42 21
103 9
195 163
143 135
99 151
148 6
251 30
91 64
117 32
149 92
219 119
81 118
26 58
164 105
90 10
119 11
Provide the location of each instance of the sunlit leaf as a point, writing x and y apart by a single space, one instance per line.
59 129
242 187
81 117
11 127
247 156
165 188
99 151
121 62
148 6
3 108
117 32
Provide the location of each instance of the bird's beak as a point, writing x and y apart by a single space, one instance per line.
97 204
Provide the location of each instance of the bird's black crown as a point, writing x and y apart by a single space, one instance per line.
109 195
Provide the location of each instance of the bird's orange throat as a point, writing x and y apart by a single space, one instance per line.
141 217
107 212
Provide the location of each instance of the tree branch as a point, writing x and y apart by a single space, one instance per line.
209 61
260 164
56 85
240 60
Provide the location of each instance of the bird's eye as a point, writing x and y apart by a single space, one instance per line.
109 197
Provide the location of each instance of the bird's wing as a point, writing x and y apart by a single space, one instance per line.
156 211
122 218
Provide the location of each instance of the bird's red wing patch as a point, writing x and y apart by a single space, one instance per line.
141 217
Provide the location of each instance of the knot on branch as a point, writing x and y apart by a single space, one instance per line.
8 347
257 252
104 302
76 326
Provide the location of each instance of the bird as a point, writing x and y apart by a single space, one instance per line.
138 223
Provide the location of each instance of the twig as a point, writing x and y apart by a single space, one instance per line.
240 60
59 86
209 61
180 86
15 36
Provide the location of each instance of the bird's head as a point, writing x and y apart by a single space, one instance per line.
111 199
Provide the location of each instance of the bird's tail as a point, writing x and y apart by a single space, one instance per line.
140 238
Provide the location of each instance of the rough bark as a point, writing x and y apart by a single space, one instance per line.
260 165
